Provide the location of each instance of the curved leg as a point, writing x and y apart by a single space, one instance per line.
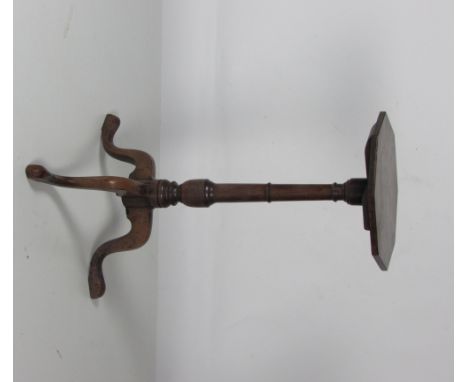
141 220
144 163
123 186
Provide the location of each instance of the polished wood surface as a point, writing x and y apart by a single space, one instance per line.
135 192
381 196
122 186
204 193
141 193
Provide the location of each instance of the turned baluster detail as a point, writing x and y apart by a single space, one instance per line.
141 193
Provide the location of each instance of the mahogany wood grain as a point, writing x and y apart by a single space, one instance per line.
141 193
381 196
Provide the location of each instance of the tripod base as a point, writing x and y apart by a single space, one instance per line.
141 193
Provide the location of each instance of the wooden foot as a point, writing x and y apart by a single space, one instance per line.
141 220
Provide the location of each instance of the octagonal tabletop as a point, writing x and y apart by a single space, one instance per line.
380 197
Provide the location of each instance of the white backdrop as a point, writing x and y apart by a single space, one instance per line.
247 91
75 62
286 91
